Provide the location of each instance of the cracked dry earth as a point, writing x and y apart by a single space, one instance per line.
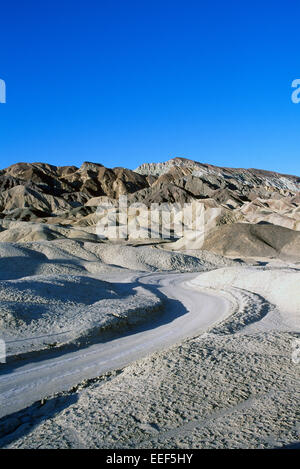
213 391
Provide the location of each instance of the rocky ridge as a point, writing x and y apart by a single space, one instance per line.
41 201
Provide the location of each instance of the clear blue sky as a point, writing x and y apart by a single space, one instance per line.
121 82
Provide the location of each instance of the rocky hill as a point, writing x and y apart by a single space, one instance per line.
42 201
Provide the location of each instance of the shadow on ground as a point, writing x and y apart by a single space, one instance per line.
170 310
20 423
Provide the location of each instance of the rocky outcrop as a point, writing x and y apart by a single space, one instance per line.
70 196
231 178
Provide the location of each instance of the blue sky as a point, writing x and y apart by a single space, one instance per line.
125 82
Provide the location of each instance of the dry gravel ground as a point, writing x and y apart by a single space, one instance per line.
235 386
214 391
54 292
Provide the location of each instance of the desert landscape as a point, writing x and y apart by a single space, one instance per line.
183 333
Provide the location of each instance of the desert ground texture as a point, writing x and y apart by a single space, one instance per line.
186 341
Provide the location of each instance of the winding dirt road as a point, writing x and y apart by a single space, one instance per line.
188 312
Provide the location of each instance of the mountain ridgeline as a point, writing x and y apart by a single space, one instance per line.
61 201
